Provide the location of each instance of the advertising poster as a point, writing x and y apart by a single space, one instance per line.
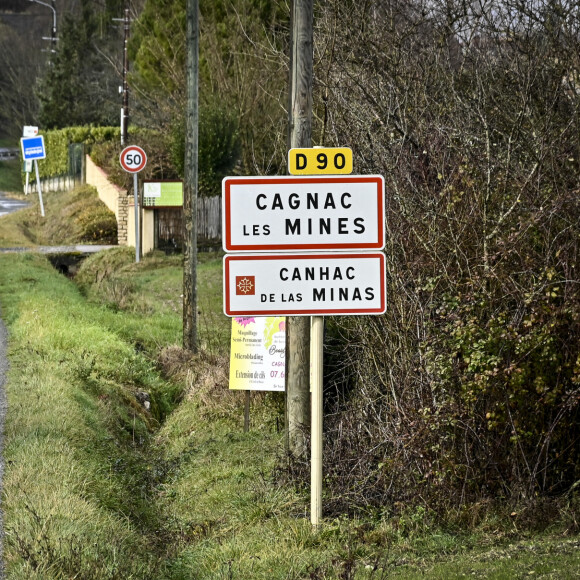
257 359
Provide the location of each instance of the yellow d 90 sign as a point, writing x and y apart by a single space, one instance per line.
327 160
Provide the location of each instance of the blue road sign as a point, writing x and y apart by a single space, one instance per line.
33 148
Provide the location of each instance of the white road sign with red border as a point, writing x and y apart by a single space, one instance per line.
304 284
133 159
29 131
314 213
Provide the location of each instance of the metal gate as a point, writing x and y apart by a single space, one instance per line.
76 156
169 229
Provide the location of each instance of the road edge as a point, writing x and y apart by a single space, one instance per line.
3 406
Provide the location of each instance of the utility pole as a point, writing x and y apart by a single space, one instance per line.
125 108
124 89
298 327
191 179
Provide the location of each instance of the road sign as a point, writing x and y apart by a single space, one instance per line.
289 213
304 284
133 159
162 194
29 131
320 160
33 148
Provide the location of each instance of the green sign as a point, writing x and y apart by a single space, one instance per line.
162 194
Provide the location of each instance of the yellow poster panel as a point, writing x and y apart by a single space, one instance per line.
258 353
320 161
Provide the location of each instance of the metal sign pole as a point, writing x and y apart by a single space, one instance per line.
137 237
27 170
316 350
39 188
133 159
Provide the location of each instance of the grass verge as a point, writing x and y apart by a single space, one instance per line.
78 478
96 486
72 217
150 297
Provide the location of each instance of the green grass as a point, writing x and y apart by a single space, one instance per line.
71 505
96 487
150 296
541 558
71 217
13 234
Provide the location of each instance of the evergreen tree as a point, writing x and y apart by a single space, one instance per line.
242 76
80 86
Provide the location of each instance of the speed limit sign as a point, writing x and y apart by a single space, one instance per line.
133 159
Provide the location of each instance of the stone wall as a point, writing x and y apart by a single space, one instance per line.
121 202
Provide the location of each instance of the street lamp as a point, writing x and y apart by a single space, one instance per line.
53 36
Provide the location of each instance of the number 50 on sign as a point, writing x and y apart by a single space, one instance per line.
133 159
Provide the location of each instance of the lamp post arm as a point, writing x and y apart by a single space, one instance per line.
53 34
53 12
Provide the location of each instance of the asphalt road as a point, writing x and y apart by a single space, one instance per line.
8 205
3 404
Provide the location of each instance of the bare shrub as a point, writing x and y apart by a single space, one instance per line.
205 377
469 387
